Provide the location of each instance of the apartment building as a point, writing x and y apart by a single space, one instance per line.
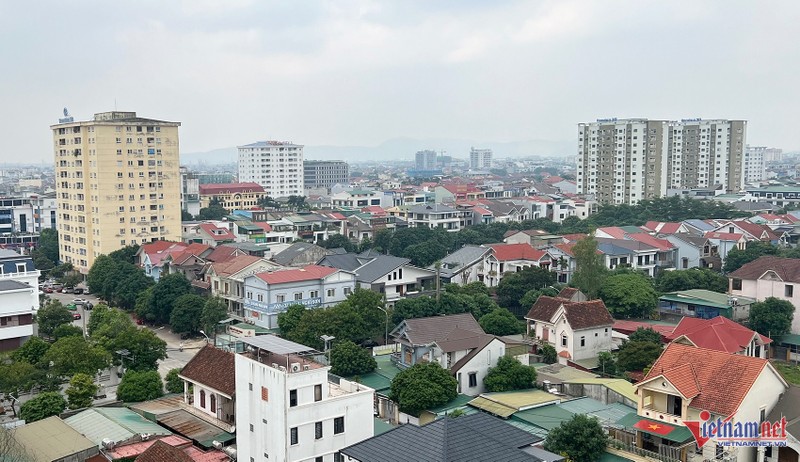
754 164
425 160
325 173
19 298
117 184
288 407
232 196
622 161
275 165
480 159
29 214
190 191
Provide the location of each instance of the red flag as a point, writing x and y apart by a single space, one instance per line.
654 427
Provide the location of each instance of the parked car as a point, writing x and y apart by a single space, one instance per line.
69 290
72 307
79 301
78 291
88 306
86 291
57 287
76 316
48 290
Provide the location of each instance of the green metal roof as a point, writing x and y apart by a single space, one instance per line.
381 378
790 339
257 329
459 401
703 297
547 417
679 433
607 414
380 426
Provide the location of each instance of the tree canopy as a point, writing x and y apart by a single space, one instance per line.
187 313
31 351
629 295
44 405
349 359
214 211
548 352
501 322
581 438
140 386
214 311
513 287
590 270
52 315
772 317
81 391
694 278
157 307
173 383
508 375
116 279
736 258
71 355
642 334
423 386
637 355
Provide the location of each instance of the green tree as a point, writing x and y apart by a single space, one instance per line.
44 405
60 270
100 277
71 279
501 322
214 211
508 375
81 391
581 438
214 311
530 297
174 383
67 330
290 319
736 258
48 244
186 216
186 313
130 282
106 322
694 278
548 352
125 254
338 241
772 317
52 315
145 348
41 262
140 386
606 363
591 272
629 295
423 386
635 356
425 253
71 355
168 289
19 376
642 334
31 351
513 287
349 359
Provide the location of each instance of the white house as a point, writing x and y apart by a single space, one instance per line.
769 276
226 278
512 258
579 331
19 298
464 266
210 386
270 293
288 407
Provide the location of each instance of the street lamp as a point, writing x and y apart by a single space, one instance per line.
124 353
208 340
386 337
327 339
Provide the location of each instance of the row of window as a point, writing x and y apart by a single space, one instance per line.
338 428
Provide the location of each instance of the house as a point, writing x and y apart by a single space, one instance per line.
300 254
19 298
478 437
189 262
769 276
51 439
572 294
226 278
209 233
694 251
151 256
512 258
721 334
209 386
416 337
630 253
686 380
751 231
115 425
433 216
172 448
703 304
535 237
463 266
232 196
291 406
356 199
577 330
788 407
269 293
725 242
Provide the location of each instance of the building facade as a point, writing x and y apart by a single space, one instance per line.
117 184
232 196
754 166
190 192
425 160
480 159
275 165
19 298
325 173
29 214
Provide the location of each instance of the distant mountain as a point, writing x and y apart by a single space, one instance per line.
404 149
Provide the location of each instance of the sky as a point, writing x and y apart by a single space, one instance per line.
360 72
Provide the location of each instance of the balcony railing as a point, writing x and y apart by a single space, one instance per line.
20 274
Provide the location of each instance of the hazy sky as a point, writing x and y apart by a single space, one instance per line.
351 72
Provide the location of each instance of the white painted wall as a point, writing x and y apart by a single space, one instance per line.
764 288
480 365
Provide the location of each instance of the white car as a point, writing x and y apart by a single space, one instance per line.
79 301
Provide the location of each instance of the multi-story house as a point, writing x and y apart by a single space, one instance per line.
276 165
433 216
19 298
464 266
721 334
693 251
769 276
27 215
209 386
356 199
511 258
151 257
289 408
208 233
117 184
232 196
725 242
480 159
226 278
269 293
190 192
623 252
579 330
688 381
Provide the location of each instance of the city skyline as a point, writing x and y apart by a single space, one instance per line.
361 73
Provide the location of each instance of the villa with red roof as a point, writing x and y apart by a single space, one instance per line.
721 334
267 294
512 258
684 382
769 276
208 233
151 257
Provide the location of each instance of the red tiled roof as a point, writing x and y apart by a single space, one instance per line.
263 225
662 227
564 354
217 233
481 211
788 269
225 188
234 264
307 273
760 232
194 248
629 327
213 368
613 231
568 292
722 236
684 379
719 334
160 249
224 252
162 452
574 237
722 379
506 252
660 244
580 315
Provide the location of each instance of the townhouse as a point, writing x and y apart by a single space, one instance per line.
19 298
769 276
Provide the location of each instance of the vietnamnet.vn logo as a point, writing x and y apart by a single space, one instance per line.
727 433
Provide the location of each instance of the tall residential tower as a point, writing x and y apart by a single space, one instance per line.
117 184
275 165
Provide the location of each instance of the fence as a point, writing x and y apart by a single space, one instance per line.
665 453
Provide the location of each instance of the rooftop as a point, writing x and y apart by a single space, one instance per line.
787 269
52 439
214 368
114 423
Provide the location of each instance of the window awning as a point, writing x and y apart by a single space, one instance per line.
675 433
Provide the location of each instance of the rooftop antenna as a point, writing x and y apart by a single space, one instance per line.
115 104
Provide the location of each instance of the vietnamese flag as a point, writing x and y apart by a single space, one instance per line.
651 426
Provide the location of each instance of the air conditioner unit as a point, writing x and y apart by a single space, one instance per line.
275 365
306 367
282 368
108 443
295 367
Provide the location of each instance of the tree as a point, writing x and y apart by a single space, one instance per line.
338 241
606 363
591 271
140 386
130 282
635 356
100 277
67 330
290 319
71 279
530 297
736 258
629 295
173 383
81 391
425 253
772 317
125 254
48 244
186 313
581 438
513 286
423 386
186 216
168 289
52 315
18 377
349 359
60 270
44 405
694 278
145 348
548 353
214 311
509 374
41 262
71 355
10 449
31 351
214 211
501 322
642 334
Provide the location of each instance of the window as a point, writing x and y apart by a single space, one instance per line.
338 425
347 291
473 379
252 428
202 398
280 298
292 398
788 290
293 435
318 459
331 292
583 341
317 392
318 430
264 393
338 457
298 295
563 340
213 403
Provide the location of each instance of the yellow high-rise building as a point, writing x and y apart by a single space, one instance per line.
117 184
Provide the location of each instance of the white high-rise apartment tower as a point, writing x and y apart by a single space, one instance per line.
480 159
754 164
275 165
623 161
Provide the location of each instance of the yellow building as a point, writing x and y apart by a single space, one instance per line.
117 184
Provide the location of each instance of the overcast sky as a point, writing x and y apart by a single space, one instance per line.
359 72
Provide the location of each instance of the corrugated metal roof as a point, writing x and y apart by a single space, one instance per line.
522 399
116 424
607 414
51 439
547 417
621 386
492 407
194 428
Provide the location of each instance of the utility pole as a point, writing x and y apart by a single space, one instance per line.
438 265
